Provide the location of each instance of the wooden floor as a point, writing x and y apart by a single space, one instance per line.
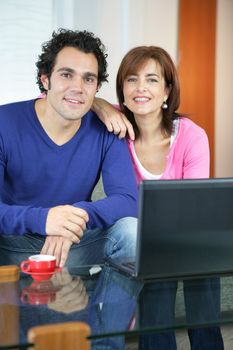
183 341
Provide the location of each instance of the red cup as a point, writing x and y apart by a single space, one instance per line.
39 264
38 298
39 293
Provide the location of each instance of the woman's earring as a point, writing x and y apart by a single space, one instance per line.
124 103
164 105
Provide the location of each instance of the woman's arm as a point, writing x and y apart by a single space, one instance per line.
114 120
197 156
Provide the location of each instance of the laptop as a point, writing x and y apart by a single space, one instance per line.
185 230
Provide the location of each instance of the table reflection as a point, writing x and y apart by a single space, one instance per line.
106 301
110 303
201 316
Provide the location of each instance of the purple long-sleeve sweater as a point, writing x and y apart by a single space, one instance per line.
37 174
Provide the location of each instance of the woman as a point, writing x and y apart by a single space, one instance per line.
167 145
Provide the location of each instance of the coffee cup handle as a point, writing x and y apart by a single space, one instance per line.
25 266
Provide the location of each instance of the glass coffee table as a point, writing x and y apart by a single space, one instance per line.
113 305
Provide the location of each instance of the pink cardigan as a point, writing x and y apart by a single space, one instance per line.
188 156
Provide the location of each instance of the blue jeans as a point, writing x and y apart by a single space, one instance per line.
111 308
202 306
118 240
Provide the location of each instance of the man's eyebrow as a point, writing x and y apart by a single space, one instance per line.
90 74
70 70
66 69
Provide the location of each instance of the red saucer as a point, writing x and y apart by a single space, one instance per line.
42 276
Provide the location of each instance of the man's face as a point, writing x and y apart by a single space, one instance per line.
73 83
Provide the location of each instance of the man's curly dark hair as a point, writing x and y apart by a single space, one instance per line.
84 41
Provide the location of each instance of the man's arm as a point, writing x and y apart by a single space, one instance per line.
121 201
64 219
64 226
119 185
114 120
18 220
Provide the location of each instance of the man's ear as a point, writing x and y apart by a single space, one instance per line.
45 81
98 87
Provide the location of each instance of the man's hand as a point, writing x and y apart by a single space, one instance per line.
57 246
66 221
71 297
61 278
113 119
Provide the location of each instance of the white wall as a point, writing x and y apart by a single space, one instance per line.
121 24
24 25
224 97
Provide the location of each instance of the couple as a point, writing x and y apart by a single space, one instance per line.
53 150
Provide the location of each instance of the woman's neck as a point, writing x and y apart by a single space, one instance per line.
150 129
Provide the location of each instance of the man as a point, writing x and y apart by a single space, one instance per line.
52 151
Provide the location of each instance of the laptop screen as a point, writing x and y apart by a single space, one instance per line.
185 228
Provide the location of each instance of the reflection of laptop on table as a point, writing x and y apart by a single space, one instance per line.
185 229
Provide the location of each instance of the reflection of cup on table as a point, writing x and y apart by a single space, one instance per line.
39 293
39 264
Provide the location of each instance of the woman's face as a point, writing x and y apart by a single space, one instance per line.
145 91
